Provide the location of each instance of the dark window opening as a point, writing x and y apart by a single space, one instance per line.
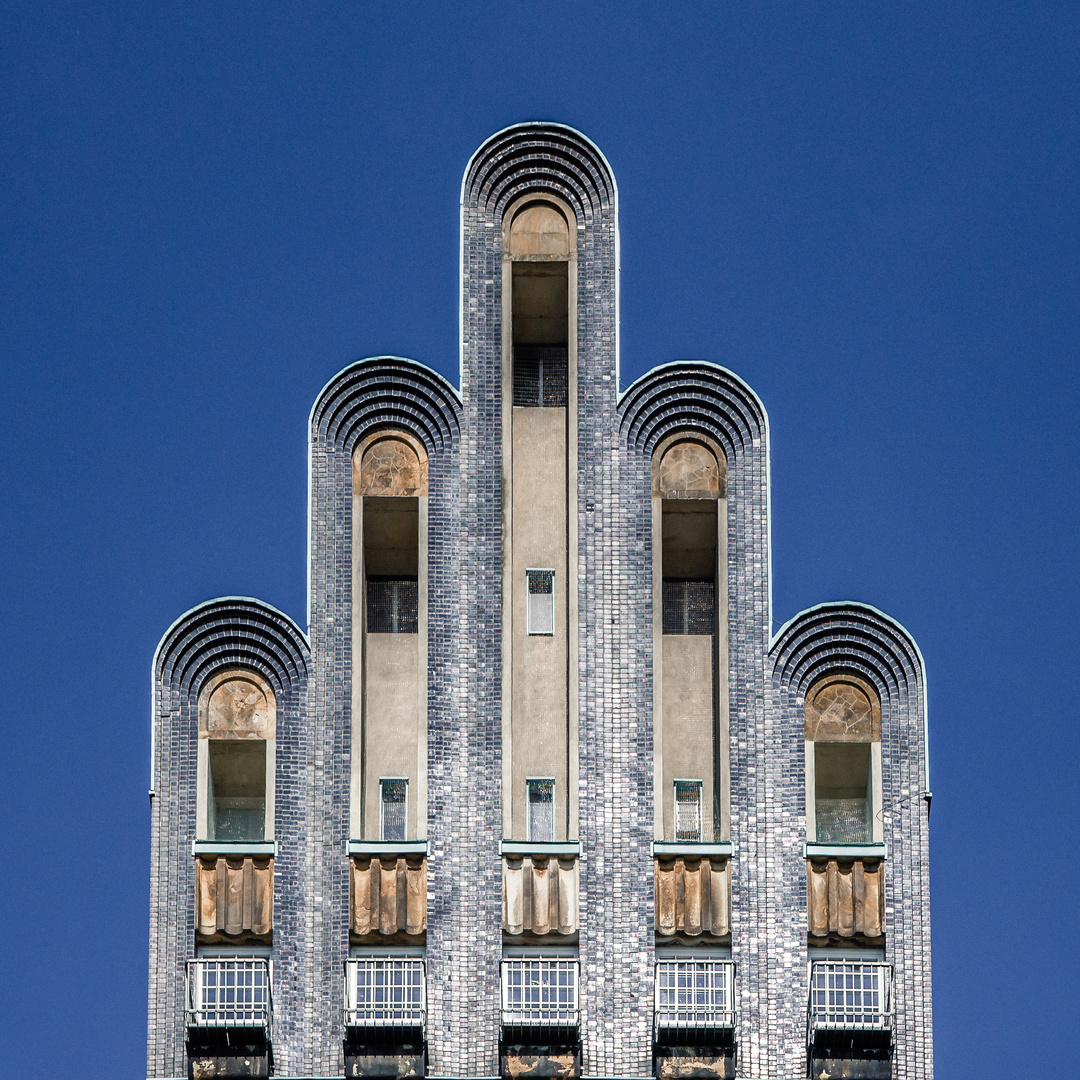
391 605
689 606
540 376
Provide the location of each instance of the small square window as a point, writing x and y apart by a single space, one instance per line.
541 809
541 611
688 811
393 808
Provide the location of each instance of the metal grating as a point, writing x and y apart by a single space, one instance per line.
541 601
850 995
394 800
386 993
689 606
694 994
539 993
688 811
540 376
229 993
841 821
391 605
541 809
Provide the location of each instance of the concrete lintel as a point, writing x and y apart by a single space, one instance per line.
391 847
222 847
669 848
538 847
845 851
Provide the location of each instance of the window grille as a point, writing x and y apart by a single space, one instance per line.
688 811
694 994
540 375
841 821
229 993
541 610
689 606
541 810
385 992
391 605
539 993
393 813
850 995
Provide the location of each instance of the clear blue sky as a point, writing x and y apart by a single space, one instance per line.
868 211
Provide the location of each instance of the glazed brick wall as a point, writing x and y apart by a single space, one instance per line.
616 437
222 634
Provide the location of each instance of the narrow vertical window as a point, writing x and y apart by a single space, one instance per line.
842 805
391 605
541 615
394 795
688 810
689 606
237 805
541 792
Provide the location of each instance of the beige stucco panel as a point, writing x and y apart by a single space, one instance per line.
392 663
539 663
688 722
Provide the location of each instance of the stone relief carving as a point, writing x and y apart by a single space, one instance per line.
689 470
238 709
390 466
841 711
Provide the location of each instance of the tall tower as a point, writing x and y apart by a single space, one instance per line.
539 792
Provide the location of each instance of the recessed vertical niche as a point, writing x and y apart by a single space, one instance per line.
390 487
690 635
539 475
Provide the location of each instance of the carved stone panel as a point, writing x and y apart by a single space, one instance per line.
540 895
846 898
693 895
842 709
234 897
689 470
391 466
387 896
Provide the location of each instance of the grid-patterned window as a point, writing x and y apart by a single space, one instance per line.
391 605
539 992
694 994
850 995
540 375
541 798
384 993
393 808
688 810
541 610
689 606
228 993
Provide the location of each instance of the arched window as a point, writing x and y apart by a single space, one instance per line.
690 639
237 738
843 761
390 486
540 477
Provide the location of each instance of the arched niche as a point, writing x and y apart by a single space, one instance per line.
390 464
842 708
236 758
538 230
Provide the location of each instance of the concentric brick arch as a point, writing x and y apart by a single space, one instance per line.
540 157
387 392
846 636
692 395
227 632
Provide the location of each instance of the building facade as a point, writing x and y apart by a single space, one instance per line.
539 792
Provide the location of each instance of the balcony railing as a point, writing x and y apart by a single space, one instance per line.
383 992
694 995
850 995
229 993
539 992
